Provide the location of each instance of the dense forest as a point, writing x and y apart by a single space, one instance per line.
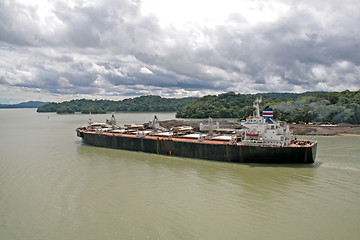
232 105
336 107
138 104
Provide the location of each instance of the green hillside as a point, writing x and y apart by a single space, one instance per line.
138 104
231 105
333 107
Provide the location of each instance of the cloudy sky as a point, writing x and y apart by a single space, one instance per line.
113 49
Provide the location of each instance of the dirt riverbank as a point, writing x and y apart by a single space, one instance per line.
325 130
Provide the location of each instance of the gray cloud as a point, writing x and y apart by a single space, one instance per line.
100 50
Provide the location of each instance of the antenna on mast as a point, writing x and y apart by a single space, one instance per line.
257 106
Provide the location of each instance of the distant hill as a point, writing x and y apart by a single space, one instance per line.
30 104
148 103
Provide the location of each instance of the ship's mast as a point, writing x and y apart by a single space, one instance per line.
113 120
256 104
90 120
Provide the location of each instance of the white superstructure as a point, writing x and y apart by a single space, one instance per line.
263 130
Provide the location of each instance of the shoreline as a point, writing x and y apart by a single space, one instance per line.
348 134
318 130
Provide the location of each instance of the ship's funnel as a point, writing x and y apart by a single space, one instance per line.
268 114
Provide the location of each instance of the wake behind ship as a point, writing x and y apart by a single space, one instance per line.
261 139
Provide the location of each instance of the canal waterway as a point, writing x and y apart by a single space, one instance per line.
52 186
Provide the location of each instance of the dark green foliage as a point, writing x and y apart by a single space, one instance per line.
333 107
50 107
93 109
64 109
139 104
229 105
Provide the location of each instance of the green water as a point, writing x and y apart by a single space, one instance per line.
54 187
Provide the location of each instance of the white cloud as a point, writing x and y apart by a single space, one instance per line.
319 72
186 13
145 70
113 49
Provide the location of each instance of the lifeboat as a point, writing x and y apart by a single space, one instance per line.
252 134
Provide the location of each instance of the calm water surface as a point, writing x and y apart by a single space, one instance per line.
54 187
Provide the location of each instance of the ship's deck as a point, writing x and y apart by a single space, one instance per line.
195 140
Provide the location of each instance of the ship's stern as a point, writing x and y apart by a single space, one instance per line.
79 133
313 152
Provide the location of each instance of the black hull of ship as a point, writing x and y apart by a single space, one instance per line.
217 152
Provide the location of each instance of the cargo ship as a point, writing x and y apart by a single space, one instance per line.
260 139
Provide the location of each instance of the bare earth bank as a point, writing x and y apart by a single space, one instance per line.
339 129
